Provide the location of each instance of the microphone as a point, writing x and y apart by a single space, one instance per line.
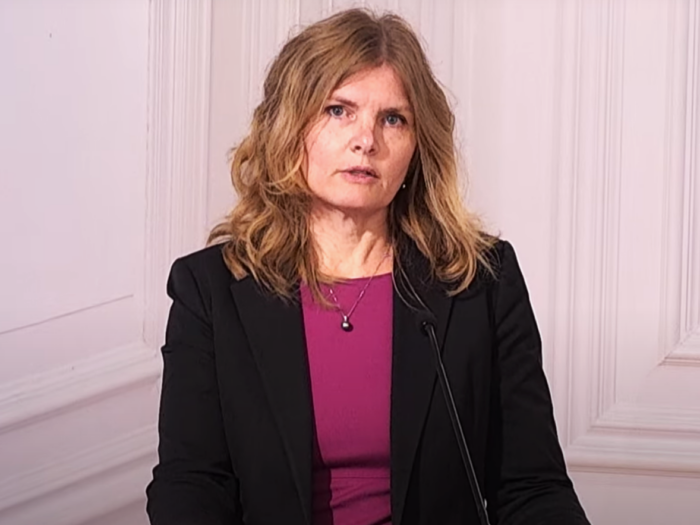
427 323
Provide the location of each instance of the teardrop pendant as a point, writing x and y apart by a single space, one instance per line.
346 325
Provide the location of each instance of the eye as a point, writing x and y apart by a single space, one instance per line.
394 120
335 111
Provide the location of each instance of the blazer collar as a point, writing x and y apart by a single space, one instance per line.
275 332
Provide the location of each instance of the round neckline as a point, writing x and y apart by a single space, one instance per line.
362 279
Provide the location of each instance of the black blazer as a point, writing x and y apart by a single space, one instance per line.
236 423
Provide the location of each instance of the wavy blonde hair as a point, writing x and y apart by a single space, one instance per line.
267 233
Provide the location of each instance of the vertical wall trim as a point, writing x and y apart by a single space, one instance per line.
690 273
611 91
682 331
674 147
178 136
565 180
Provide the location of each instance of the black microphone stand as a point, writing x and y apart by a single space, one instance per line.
428 327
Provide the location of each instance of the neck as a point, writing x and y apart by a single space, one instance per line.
351 245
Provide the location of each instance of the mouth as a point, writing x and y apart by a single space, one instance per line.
361 171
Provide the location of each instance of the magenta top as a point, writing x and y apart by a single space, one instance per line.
351 388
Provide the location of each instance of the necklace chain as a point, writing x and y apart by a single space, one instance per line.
346 325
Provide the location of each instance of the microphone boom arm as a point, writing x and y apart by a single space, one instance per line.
429 330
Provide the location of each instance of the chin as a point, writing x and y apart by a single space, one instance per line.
354 206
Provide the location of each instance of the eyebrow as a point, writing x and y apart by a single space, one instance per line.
353 105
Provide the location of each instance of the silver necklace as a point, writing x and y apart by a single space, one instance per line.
345 324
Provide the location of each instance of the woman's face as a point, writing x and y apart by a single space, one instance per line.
358 153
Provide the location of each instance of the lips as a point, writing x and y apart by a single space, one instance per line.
362 170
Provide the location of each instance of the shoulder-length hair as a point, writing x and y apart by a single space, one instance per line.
267 233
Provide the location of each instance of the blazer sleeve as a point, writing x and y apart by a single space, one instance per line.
533 487
193 483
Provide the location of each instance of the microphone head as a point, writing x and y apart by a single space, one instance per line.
425 319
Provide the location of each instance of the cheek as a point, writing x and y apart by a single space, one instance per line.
323 141
401 143
314 158
320 152
319 164
404 153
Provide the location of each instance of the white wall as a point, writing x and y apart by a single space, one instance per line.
578 121
103 128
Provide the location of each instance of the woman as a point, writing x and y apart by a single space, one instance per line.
298 387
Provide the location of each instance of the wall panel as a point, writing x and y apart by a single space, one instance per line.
628 126
104 183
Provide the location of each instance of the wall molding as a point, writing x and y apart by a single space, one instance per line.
111 475
636 454
35 398
81 486
178 145
565 160
598 431
95 481
687 353
604 206
682 346
586 177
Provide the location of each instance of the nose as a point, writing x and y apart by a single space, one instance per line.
363 139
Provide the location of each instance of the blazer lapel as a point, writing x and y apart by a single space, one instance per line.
413 378
275 332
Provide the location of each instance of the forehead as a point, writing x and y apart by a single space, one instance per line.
380 85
